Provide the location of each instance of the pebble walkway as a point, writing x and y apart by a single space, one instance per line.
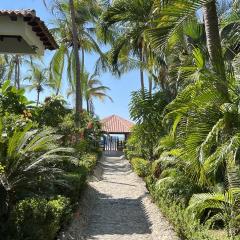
117 206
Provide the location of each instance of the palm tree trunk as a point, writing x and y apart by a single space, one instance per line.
91 107
17 72
38 97
82 70
78 105
214 43
57 91
141 69
88 107
150 81
18 75
83 61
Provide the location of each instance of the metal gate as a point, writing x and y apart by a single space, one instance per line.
112 143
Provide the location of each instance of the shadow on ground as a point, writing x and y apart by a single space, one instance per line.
117 216
112 207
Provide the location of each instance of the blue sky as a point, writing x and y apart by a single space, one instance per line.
120 87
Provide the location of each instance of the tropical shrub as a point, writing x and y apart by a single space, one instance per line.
146 109
53 106
74 176
38 218
222 207
86 136
172 203
81 147
89 161
74 182
141 166
177 188
28 157
12 100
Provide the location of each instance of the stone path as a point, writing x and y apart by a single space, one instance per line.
116 206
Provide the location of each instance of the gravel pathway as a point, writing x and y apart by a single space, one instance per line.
116 206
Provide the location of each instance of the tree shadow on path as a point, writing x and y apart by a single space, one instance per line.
120 216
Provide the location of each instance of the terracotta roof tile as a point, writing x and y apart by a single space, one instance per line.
37 25
116 124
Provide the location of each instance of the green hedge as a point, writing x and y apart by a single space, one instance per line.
174 209
141 166
75 177
172 194
41 218
89 161
38 218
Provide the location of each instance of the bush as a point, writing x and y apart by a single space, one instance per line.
89 161
38 218
186 227
53 106
75 183
156 169
141 166
81 147
12 100
178 189
171 199
75 176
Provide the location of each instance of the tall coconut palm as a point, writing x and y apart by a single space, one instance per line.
75 32
3 69
214 43
92 88
134 18
77 62
38 78
172 16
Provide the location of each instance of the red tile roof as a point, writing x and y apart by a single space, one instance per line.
37 25
116 124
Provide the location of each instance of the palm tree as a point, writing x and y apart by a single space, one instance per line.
214 43
75 30
3 68
174 15
134 18
17 72
77 62
38 78
92 88
13 66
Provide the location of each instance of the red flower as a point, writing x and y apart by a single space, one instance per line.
90 125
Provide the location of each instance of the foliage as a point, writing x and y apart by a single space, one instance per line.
172 202
223 207
74 182
53 106
89 161
29 156
146 109
38 78
197 127
74 176
84 138
38 218
92 89
12 100
141 167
